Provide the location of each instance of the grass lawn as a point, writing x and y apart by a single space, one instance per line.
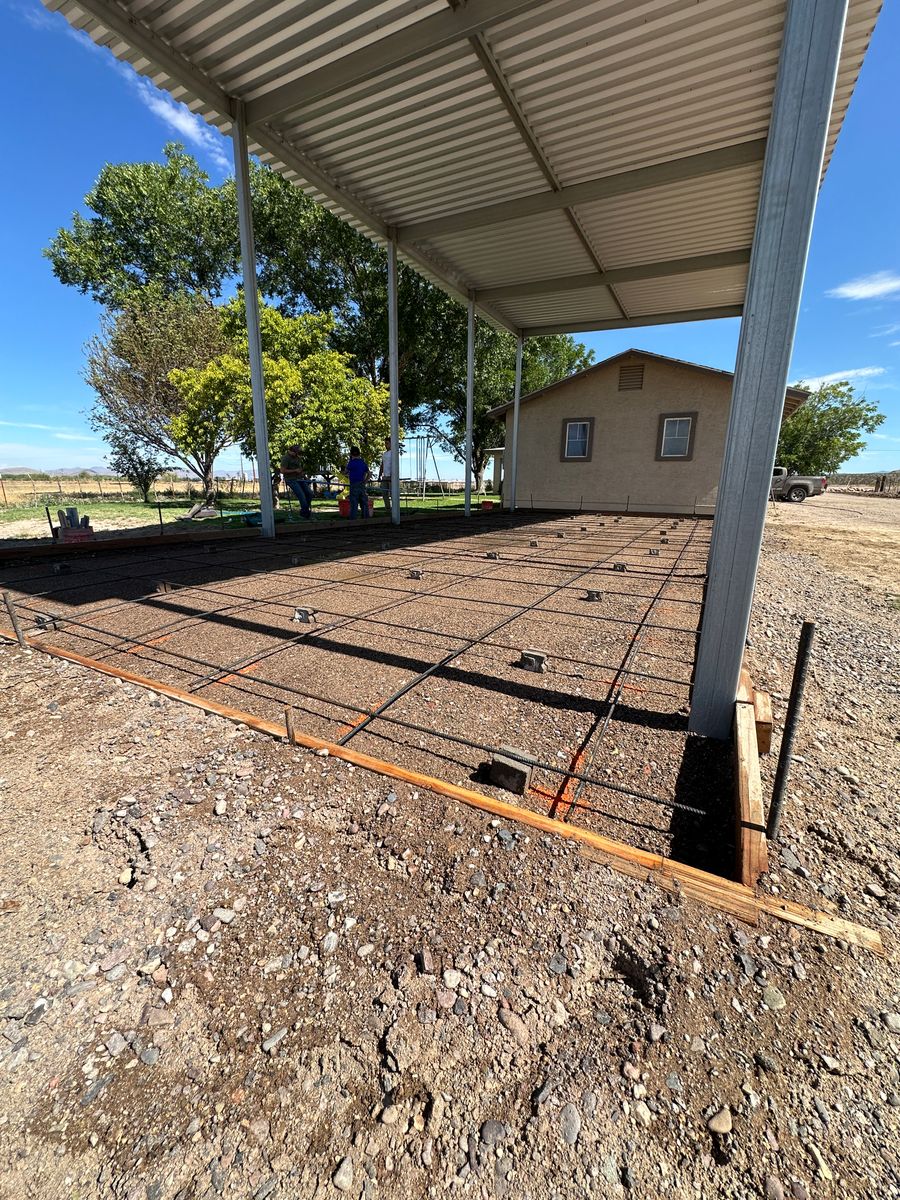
30 521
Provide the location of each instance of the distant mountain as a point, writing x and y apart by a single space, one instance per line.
53 471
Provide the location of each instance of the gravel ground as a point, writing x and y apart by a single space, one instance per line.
235 969
389 605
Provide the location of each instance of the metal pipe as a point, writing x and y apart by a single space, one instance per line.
159 514
251 305
11 609
514 439
791 721
394 379
49 520
470 401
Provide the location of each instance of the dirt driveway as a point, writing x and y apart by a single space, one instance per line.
857 536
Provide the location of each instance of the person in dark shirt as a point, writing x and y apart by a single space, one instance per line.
297 479
358 475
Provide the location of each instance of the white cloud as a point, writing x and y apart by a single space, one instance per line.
817 381
180 120
186 125
868 287
76 437
886 331
885 437
894 343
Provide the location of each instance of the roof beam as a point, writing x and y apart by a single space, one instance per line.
669 318
693 166
510 103
162 57
588 279
393 50
139 37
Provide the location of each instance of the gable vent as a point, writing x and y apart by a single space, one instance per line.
631 377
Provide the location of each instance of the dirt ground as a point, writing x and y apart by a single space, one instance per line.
385 606
232 968
856 536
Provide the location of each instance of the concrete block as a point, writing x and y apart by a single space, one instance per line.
533 660
510 770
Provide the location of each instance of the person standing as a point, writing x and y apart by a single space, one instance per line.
297 479
385 471
358 474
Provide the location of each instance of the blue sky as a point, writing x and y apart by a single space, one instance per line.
76 109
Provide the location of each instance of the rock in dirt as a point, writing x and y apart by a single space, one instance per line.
514 1025
343 1176
493 1132
773 999
892 1021
570 1124
720 1122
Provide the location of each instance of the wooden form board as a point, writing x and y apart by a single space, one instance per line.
723 894
762 713
752 853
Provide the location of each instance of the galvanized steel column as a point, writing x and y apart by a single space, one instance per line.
514 440
793 166
394 379
470 401
251 304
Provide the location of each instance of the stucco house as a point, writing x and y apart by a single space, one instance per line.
637 431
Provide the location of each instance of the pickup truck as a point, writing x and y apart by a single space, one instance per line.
786 486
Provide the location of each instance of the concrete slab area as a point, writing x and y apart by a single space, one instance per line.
427 672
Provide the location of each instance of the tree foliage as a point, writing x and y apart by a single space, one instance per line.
129 364
313 397
827 430
162 224
152 223
129 459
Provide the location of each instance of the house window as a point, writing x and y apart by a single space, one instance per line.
577 440
675 439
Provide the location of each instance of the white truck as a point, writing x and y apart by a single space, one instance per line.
789 486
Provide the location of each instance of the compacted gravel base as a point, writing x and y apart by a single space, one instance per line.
232 968
385 605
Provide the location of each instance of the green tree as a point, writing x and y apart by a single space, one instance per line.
313 396
129 363
128 459
151 223
827 430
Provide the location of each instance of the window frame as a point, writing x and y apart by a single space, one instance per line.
661 435
580 458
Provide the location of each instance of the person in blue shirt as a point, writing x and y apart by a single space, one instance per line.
358 474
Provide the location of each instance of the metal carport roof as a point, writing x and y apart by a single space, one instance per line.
570 165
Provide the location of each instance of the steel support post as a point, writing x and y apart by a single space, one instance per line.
251 303
513 464
793 166
394 379
470 401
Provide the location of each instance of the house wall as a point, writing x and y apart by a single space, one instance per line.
623 470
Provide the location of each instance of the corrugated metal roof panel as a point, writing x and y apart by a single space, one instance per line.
445 108
675 293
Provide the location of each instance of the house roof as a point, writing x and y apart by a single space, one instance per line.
793 397
567 164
